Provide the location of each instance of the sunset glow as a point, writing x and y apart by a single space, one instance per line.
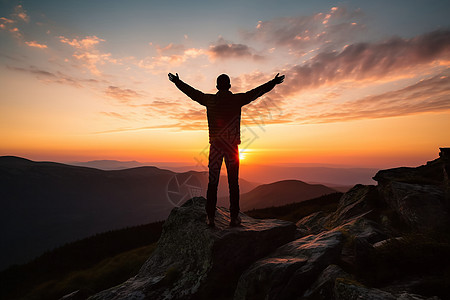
367 84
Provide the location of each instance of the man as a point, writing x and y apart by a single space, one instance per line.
223 111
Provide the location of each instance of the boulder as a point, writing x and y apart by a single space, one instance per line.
360 200
431 173
363 228
291 269
193 261
421 206
314 223
323 287
345 289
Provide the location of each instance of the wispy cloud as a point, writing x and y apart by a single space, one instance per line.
364 61
50 77
20 13
429 95
11 24
168 56
87 53
123 95
302 33
223 49
36 45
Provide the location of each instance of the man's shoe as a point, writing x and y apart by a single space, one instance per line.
235 221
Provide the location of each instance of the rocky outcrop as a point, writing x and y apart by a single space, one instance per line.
418 195
325 256
289 271
323 287
313 224
358 201
193 261
351 290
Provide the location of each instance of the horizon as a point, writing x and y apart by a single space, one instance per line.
367 84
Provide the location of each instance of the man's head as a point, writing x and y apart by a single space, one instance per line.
223 82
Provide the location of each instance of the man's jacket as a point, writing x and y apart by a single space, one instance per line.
224 109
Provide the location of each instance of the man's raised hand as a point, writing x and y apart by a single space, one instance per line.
175 78
278 79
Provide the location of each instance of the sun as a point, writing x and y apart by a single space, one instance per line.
242 155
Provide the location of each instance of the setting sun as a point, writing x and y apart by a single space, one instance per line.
242 155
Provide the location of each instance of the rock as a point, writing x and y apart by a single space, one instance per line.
323 287
289 271
386 241
360 200
314 223
420 206
76 295
363 228
345 289
408 296
431 173
193 261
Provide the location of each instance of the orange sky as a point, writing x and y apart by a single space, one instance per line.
353 95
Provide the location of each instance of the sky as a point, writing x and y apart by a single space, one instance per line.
367 82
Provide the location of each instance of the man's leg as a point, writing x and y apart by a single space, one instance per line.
214 164
232 164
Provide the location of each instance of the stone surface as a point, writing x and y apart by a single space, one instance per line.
363 228
351 290
323 287
345 289
291 269
193 261
314 223
360 200
420 206
431 173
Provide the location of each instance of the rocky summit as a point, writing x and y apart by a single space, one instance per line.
389 241
195 261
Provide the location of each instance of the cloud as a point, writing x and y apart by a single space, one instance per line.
36 45
10 26
223 49
87 53
169 56
429 95
176 54
50 77
123 95
303 33
114 115
363 61
21 14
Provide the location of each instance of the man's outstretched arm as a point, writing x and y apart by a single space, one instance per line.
192 93
262 89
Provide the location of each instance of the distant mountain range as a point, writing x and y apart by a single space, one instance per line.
281 193
47 204
339 177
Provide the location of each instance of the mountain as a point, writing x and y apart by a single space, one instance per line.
47 204
330 176
389 241
281 193
108 164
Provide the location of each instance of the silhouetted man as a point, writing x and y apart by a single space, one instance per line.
223 110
